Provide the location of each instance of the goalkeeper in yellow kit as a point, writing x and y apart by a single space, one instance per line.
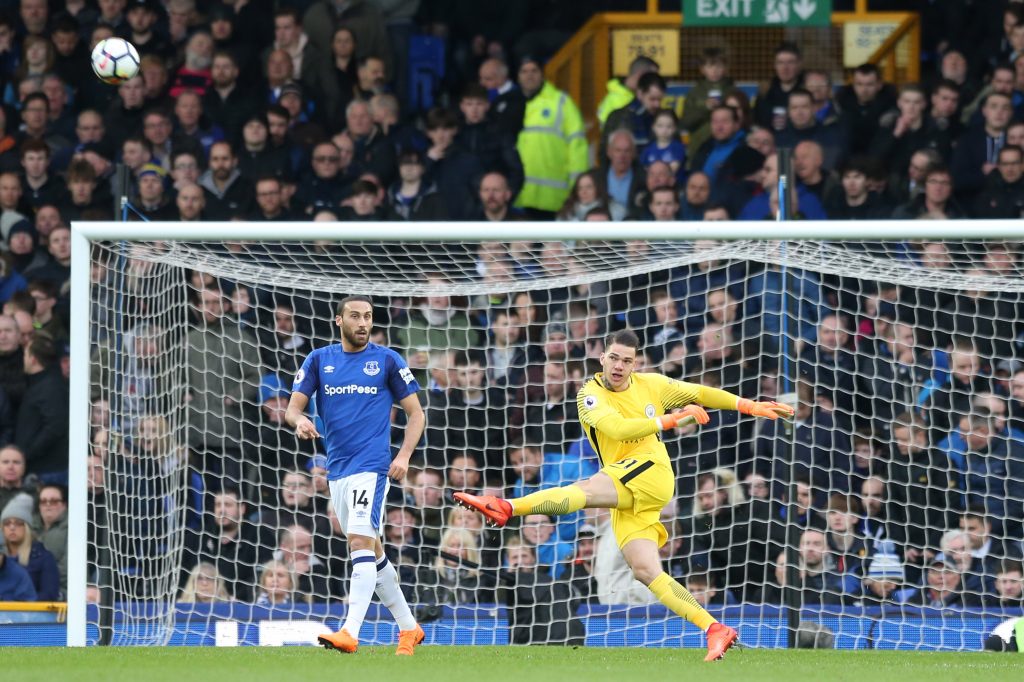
623 415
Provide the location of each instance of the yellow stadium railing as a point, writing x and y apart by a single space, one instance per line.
58 608
583 66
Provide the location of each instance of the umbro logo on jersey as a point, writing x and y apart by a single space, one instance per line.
329 369
371 368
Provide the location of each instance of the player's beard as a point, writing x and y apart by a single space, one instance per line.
353 340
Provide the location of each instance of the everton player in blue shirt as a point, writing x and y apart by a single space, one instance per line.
355 384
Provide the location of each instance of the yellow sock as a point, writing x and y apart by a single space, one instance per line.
552 501
680 601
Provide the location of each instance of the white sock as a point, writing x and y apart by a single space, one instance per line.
390 594
360 589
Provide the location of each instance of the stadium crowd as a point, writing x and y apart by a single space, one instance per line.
910 429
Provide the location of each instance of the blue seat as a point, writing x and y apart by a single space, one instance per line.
426 70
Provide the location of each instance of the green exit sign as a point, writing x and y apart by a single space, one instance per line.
757 12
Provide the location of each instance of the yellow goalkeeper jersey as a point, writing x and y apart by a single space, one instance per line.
619 423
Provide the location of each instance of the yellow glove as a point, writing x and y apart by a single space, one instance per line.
689 414
768 410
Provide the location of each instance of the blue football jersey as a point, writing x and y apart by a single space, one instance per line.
354 393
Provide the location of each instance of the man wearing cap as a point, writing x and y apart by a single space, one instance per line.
942 588
303 130
256 158
552 143
412 197
141 16
152 201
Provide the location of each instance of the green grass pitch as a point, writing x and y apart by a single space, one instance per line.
498 664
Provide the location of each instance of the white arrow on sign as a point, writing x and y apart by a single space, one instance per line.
805 8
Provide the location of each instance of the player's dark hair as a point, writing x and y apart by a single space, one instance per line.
623 337
353 299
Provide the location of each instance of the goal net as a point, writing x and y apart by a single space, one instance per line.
896 494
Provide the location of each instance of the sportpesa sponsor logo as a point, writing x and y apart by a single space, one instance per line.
349 390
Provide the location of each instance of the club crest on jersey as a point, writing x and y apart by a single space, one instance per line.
590 402
371 368
299 376
649 411
329 369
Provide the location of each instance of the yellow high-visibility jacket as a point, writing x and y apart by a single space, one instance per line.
553 148
618 96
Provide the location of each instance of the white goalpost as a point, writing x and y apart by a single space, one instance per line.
154 445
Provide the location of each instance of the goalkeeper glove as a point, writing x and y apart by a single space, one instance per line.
689 414
768 410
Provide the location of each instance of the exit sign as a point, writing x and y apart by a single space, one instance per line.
788 13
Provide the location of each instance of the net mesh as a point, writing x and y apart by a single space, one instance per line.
908 447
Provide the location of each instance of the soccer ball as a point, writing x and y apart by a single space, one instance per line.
115 60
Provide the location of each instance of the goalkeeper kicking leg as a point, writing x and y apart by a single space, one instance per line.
635 490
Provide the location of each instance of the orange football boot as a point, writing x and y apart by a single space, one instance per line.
339 641
720 639
496 510
409 640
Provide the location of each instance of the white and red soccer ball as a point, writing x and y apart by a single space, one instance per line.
115 60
